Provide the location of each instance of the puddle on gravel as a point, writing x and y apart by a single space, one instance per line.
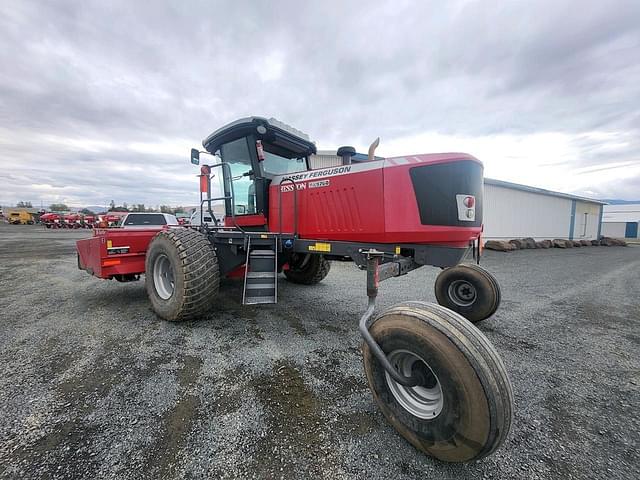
297 433
305 426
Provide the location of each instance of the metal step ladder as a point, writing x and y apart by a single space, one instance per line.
261 274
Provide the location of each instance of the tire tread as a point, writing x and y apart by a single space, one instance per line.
480 353
319 268
201 274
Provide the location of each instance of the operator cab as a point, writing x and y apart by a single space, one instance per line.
256 149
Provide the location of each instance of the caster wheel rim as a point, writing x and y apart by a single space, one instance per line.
462 293
424 401
163 277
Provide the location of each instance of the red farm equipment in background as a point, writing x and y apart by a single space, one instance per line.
72 220
51 220
68 220
110 219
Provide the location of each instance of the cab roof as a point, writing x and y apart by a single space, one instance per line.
268 130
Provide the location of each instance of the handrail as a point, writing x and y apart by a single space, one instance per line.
246 265
231 197
295 204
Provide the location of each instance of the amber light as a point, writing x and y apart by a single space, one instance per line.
110 263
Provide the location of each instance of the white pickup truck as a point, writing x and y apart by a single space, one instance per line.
206 217
147 219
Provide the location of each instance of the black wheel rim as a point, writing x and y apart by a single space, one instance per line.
462 293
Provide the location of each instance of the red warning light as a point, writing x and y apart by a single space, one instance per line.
469 202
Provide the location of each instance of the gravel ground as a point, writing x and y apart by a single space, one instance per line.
93 385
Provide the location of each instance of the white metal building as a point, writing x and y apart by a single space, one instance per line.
517 211
324 159
512 210
621 221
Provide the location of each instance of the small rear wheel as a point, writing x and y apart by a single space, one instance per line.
462 409
182 275
469 290
307 269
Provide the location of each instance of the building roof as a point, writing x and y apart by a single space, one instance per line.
621 213
540 191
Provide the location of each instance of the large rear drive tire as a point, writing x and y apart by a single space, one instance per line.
469 290
463 411
182 275
307 269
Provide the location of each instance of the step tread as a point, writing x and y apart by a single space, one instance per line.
256 300
256 286
270 274
262 253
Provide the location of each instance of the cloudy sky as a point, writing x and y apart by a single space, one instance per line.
103 100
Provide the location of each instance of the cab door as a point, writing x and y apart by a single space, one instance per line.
248 197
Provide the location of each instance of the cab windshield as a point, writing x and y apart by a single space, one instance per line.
276 164
240 156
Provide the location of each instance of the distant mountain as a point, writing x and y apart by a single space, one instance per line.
614 201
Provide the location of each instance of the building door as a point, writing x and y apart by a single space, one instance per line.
632 230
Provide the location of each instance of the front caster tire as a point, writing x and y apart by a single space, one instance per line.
182 275
463 410
469 290
307 269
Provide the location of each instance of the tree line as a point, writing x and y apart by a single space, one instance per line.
135 207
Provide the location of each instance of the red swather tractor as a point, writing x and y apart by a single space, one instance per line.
72 220
434 375
51 220
88 221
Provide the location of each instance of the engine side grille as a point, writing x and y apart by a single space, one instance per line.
335 210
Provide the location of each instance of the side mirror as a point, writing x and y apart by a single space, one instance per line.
195 156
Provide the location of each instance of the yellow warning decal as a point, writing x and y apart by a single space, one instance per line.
109 244
320 247
397 250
